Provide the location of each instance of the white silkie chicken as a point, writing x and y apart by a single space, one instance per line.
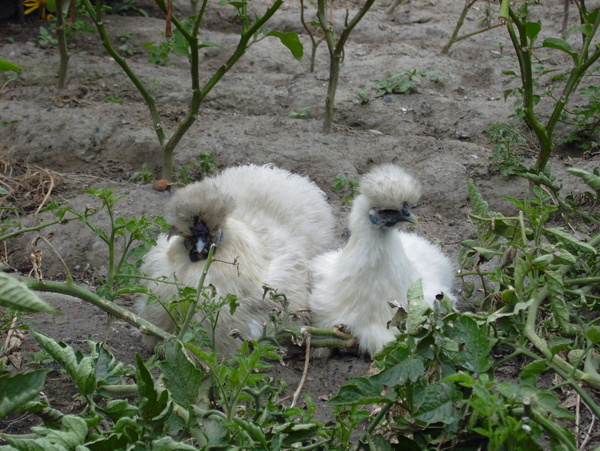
353 286
270 221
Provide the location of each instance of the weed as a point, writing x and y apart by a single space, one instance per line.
508 144
45 38
341 182
401 82
204 164
302 113
113 99
160 53
142 177
361 93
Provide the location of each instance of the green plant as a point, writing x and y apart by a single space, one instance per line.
341 182
8 66
45 38
362 95
113 99
144 176
203 165
438 387
523 34
186 43
335 46
302 113
508 144
401 82
159 53
586 121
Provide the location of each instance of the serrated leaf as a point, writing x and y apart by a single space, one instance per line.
73 433
79 368
592 180
16 295
558 344
533 368
479 206
407 370
437 404
182 378
477 344
169 444
417 307
558 234
153 406
291 41
17 390
361 390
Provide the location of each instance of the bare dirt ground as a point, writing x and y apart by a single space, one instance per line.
81 141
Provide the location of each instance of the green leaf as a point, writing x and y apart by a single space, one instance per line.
78 367
407 370
559 44
73 433
558 234
437 404
7 65
532 29
16 295
417 308
557 344
154 407
291 41
361 390
169 444
182 378
474 354
593 334
593 181
533 368
479 206
17 390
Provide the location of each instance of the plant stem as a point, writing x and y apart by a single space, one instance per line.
69 288
192 308
459 24
62 46
336 53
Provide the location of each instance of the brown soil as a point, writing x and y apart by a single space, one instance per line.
64 142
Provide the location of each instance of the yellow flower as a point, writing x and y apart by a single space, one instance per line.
32 5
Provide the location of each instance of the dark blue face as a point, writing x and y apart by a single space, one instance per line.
200 236
391 217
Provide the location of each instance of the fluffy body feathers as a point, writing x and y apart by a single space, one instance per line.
271 220
353 285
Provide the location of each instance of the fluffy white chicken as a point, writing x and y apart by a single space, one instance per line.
353 285
269 220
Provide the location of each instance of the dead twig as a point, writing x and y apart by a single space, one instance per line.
306 335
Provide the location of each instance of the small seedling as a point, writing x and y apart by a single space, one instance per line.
341 182
143 177
45 38
505 154
362 95
160 53
203 164
401 82
302 113
113 99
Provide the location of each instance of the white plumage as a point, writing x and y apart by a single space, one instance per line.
353 286
272 221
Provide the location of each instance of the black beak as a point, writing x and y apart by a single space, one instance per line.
200 240
390 218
